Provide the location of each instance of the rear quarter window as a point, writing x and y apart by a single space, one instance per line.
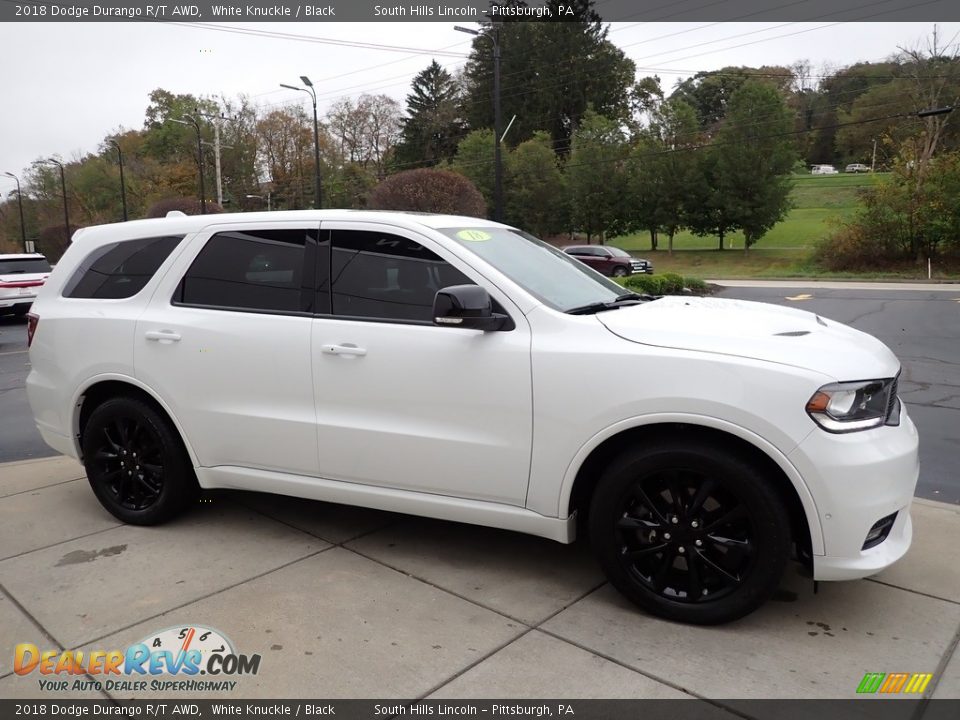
121 269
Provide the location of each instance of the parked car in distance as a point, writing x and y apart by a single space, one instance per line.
823 170
21 276
611 261
434 365
857 168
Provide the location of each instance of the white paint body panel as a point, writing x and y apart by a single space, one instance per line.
487 428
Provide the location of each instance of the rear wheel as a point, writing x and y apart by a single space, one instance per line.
136 462
689 532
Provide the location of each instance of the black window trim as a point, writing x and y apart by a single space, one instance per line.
324 228
309 251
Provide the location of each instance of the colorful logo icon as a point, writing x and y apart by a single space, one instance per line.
894 683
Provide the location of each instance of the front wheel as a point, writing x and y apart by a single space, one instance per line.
689 531
136 463
620 271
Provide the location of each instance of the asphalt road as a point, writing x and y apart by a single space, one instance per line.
921 326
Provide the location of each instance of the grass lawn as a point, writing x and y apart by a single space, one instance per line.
819 203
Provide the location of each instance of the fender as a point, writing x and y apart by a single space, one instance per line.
118 377
774 453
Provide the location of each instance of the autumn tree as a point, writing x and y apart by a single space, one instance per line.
429 190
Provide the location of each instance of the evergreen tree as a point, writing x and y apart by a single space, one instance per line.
433 126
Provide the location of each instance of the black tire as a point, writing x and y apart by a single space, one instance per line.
136 462
620 272
655 524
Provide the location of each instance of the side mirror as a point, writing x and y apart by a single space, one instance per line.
467 306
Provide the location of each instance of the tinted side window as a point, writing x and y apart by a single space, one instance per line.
376 275
121 269
251 270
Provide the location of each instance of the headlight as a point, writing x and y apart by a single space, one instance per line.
850 406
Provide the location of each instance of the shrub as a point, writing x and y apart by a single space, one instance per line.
672 284
429 190
649 284
695 285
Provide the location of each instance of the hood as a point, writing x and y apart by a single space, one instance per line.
754 330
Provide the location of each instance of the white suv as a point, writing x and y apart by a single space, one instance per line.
21 276
456 368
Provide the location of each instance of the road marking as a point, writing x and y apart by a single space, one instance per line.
21 352
802 296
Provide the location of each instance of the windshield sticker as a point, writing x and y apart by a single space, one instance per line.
473 235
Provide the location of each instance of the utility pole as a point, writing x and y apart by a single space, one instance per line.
196 126
23 228
873 161
216 150
123 187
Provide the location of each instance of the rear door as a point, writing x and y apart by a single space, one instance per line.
401 402
225 341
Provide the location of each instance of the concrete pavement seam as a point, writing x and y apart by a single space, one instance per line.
910 590
314 535
937 674
19 606
62 542
203 597
43 487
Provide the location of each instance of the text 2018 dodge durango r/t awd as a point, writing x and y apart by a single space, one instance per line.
461 369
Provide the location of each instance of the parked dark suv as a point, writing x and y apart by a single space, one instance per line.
609 260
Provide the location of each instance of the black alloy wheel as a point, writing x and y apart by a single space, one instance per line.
690 531
136 463
685 537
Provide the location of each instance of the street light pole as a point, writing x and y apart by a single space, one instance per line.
123 187
318 195
63 186
196 126
23 228
494 37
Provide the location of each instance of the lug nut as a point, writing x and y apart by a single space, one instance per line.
694 524
675 520
666 536
704 591
681 549
698 543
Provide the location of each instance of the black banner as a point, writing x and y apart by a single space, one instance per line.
235 11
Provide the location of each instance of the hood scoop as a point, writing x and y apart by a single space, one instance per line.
793 333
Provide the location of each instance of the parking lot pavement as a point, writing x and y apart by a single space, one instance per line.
347 602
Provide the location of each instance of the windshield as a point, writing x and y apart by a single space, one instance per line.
617 252
551 276
16 266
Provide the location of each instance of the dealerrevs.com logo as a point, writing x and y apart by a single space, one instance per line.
182 654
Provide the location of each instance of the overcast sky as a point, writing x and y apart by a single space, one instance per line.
67 85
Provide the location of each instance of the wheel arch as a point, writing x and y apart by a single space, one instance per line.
584 471
103 387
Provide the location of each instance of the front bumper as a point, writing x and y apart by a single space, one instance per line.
855 480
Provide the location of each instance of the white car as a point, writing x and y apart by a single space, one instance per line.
823 170
461 369
21 276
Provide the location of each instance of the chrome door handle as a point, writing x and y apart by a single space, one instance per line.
164 336
345 349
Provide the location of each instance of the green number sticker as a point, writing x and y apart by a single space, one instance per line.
473 235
